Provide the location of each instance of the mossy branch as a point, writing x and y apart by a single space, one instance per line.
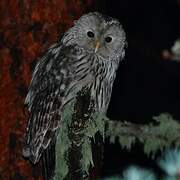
79 125
76 133
160 134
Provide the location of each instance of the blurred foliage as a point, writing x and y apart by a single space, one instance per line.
169 162
134 173
137 173
176 47
176 51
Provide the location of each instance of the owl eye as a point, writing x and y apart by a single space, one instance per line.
90 34
108 39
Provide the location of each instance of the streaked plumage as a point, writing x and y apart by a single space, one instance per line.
76 61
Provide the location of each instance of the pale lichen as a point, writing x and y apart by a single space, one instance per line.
63 143
158 135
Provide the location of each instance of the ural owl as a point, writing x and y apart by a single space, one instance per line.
88 55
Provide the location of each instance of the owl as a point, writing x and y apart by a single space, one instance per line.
87 55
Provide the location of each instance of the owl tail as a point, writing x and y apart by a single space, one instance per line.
48 158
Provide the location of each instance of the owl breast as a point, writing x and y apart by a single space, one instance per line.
97 74
104 73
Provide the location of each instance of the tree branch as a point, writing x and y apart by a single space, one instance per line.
79 126
162 133
82 113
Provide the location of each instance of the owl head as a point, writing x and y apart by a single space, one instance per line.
97 34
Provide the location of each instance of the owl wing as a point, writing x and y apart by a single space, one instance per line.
44 100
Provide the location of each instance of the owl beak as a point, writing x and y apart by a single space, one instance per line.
97 46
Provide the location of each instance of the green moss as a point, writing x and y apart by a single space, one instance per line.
63 143
116 131
95 124
160 134
87 160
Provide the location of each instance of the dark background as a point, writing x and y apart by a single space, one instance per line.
146 84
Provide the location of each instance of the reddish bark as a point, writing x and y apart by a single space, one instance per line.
27 28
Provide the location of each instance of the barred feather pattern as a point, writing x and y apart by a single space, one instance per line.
56 79
58 76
